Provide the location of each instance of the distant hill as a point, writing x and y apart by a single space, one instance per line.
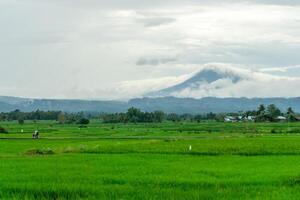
166 104
5 107
27 104
211 104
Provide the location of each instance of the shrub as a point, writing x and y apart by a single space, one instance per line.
294 130
47 151
273 130
70 150
83 121
3 130
21 121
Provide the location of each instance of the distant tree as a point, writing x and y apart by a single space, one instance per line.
261 109
21 121
83 121
112 118
261 114
220 117
198 118
3 130
134 115
211 116
61 118
186 117
291 116
290 111
250 113
273 112
173 117
71 118
158 116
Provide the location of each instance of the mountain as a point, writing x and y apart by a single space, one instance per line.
166 104
6 107
204 77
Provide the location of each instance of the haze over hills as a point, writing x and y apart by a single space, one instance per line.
166 104
179 97
28 104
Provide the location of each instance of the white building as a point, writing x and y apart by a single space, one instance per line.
281 118
230 119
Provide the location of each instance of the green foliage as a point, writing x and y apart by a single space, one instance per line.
291 116
134 115
273 112
35 115
83 121
3 130
270 114
21 121
42 151
261 110
61 118
220 117
173 117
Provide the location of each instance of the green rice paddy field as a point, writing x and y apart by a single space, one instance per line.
205 160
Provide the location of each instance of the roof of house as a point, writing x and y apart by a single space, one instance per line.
281 117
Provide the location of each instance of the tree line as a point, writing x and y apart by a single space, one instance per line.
263 113
271 113
134 115
61 117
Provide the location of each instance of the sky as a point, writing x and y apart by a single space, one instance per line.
119 49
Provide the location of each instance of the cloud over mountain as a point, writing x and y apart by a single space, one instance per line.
218 80
118 49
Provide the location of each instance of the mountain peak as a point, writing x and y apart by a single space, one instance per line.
206 76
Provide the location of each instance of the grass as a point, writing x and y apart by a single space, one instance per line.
227 161
98 129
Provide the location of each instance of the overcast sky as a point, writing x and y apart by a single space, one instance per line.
110 49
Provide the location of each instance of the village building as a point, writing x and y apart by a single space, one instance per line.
281 118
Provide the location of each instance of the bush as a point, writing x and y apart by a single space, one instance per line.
21 121
47 151
83 121
3 130
294 130
273 130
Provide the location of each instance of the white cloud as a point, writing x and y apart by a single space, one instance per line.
86 48
251 84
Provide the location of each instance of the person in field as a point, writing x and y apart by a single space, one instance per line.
36 134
